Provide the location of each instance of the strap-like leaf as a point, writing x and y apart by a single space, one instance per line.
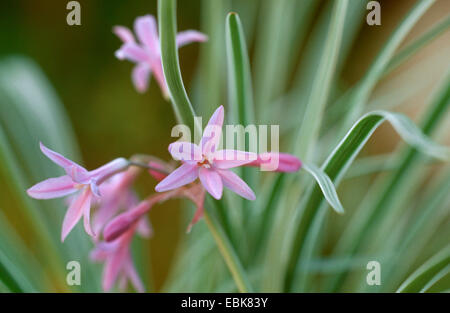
326 185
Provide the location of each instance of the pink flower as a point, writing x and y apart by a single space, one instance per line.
117 195
210 165
277 161
118 262
77 180
123 222
147 53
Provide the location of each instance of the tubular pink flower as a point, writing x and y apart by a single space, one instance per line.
146 53
77 180
123 222
117 195
275 161
208 164
118 264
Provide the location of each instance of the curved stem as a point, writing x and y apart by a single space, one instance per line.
227 251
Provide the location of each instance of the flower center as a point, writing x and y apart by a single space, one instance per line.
204 162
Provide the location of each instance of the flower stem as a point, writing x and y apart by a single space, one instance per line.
227 251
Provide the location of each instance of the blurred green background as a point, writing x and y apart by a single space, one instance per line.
111 119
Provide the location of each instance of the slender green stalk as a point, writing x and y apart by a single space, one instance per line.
231 259
185 113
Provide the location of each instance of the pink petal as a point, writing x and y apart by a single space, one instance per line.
133 275
75 211
156 174
144 228
225 159
140 76
280 162
52 188
109 169
132 52
212 132
235 183
77 172
103 250
188 36
211 181
125 221
160 78
112 268
146 31
123 33
185 151
183 175
87 221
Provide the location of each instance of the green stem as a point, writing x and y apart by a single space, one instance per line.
185 113
227 251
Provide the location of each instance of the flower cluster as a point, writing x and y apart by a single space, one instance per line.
118 213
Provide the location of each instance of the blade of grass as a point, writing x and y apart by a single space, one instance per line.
283 26
378 207
424 274
241 108
308 131
326 185
337 164
404 54
211 76
378 67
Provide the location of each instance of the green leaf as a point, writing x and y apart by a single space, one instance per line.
417 44
378 67
326 185
308 131
181 104
339 161
382 200
427 272
283 26
239 78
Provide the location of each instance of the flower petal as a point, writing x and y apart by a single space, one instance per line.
183 175
75 211
146 31
160 78
133 275
123 33
279 162
140 76
122 223
132 52
113 266
109 169
77 172
211 181
87 221
188 36
53 188
235 183
185 151
225 159
144 228
213 132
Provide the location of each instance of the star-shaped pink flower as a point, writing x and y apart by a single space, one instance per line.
210 165
77 180
147 53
